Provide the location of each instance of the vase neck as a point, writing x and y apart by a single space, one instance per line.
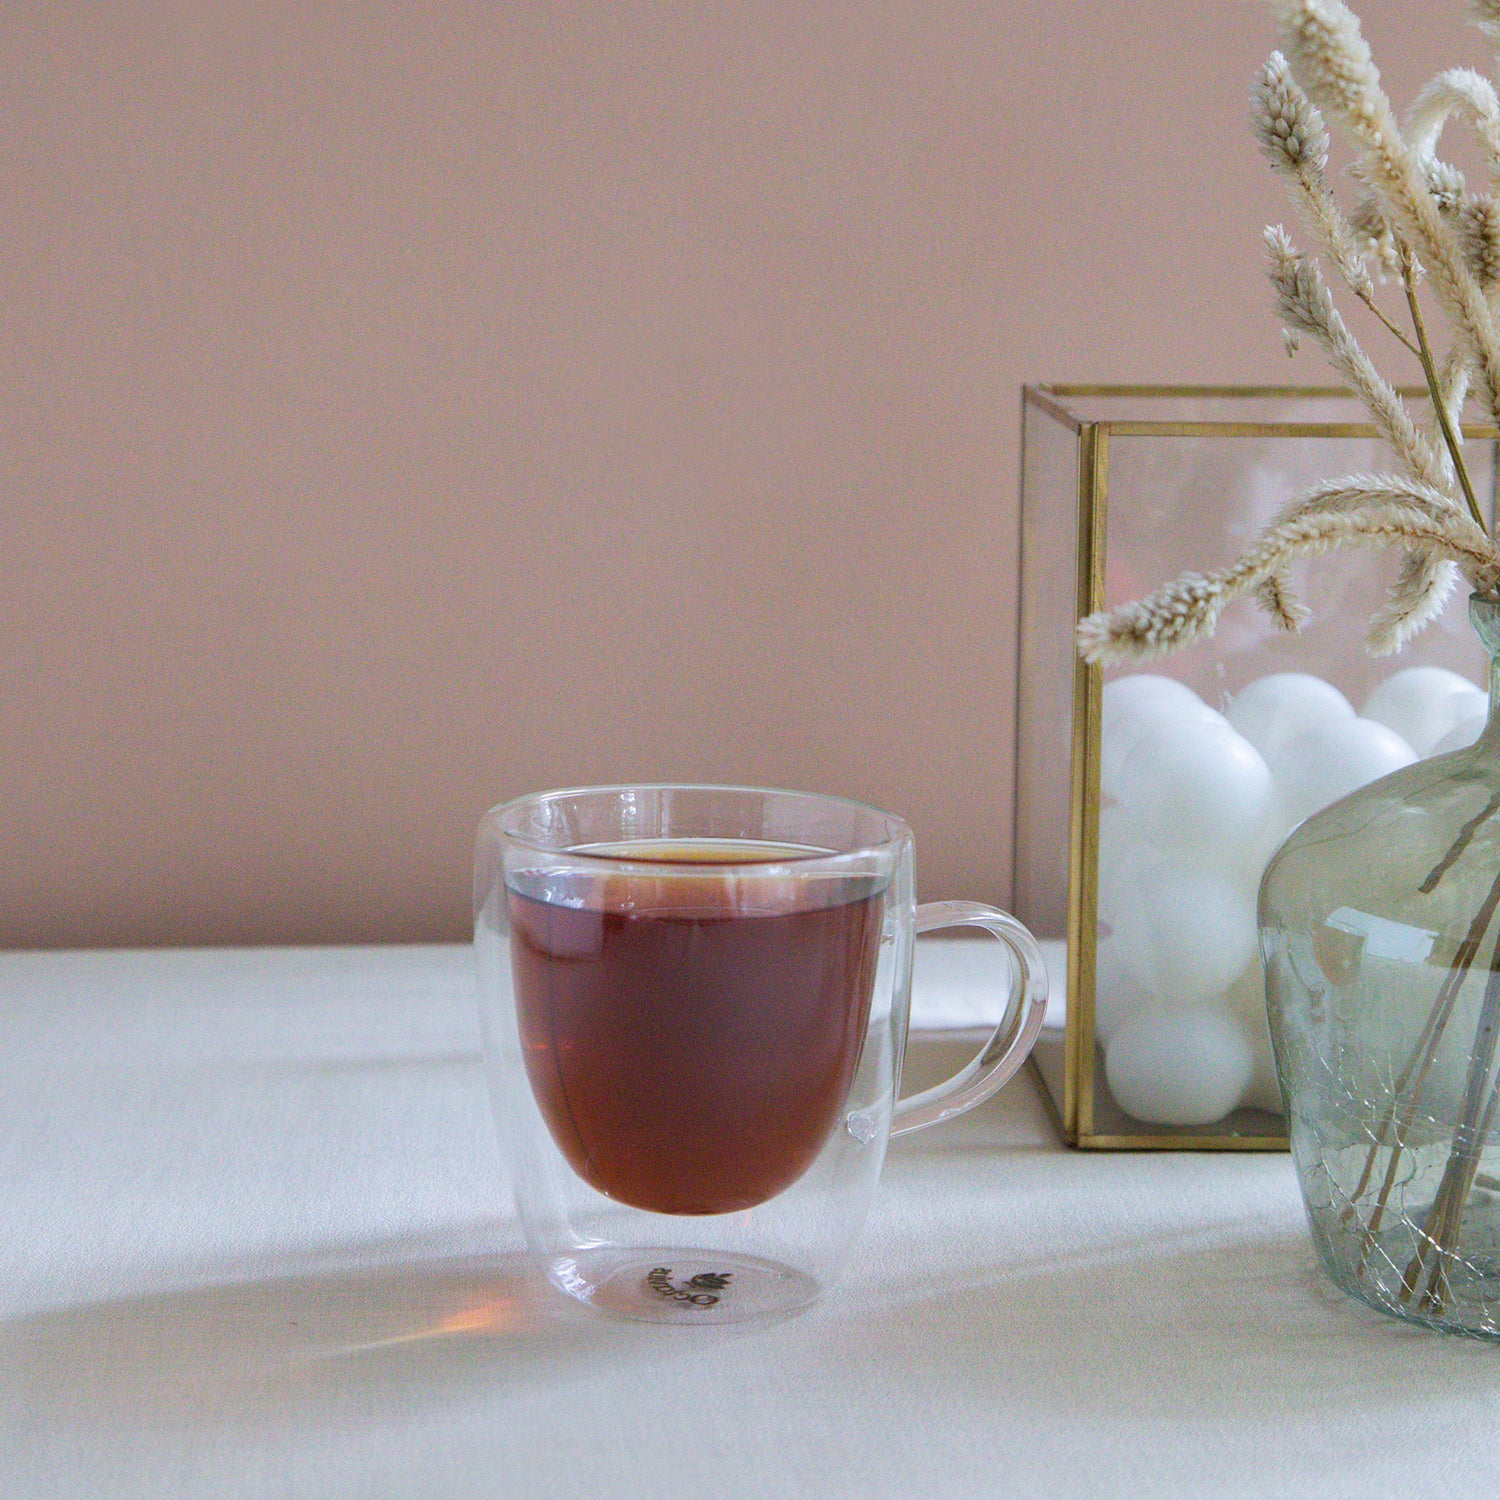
1484 612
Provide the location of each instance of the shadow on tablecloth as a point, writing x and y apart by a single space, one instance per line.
372 1340
1181 1328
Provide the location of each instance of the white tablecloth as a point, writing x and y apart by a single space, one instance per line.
255 1243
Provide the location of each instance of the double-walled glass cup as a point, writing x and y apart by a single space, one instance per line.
694 1002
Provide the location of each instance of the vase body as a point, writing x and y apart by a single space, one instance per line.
1380 930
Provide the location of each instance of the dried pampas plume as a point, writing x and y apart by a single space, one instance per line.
1292 135
1331 60
1479 232
1415 219
1306 307
1390 514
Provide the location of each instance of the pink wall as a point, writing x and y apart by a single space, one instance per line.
407 407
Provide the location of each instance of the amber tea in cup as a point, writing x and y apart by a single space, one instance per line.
691 1038
694 1003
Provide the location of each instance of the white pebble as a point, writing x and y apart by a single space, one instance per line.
1421 704
1251 859
1466 729
1143 707
1186 934
1272 710
1246 1004
1327 762
1197 790
1129 697
1124 861
1118 995
1125 864
1183 1067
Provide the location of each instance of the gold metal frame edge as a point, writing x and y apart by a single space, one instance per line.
1038 396
1181 1143
1083 832
1054 1113
1138 428
1052 398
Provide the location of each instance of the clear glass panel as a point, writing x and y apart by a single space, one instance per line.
1049 548
1188 811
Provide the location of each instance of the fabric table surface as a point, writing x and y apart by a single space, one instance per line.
257 1243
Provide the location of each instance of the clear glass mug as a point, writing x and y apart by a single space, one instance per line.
694 1002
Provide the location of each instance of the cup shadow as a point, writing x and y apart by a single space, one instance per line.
332 1344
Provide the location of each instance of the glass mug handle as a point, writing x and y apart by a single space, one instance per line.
1001 1057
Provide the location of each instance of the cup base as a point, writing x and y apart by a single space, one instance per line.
683 1287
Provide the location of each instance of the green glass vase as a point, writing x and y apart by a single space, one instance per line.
1380 929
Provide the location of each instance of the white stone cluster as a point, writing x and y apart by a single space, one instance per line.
1195 804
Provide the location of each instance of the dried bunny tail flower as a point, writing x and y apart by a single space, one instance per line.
1446 184
1286 122
1356 491
1275 596
1486 16
1333 64
1479 233
1425 580
1330 52
1452 91
1291 134
1423 586
1185 610
1453 385
1381 511
1305 305
1188 608
1373 238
